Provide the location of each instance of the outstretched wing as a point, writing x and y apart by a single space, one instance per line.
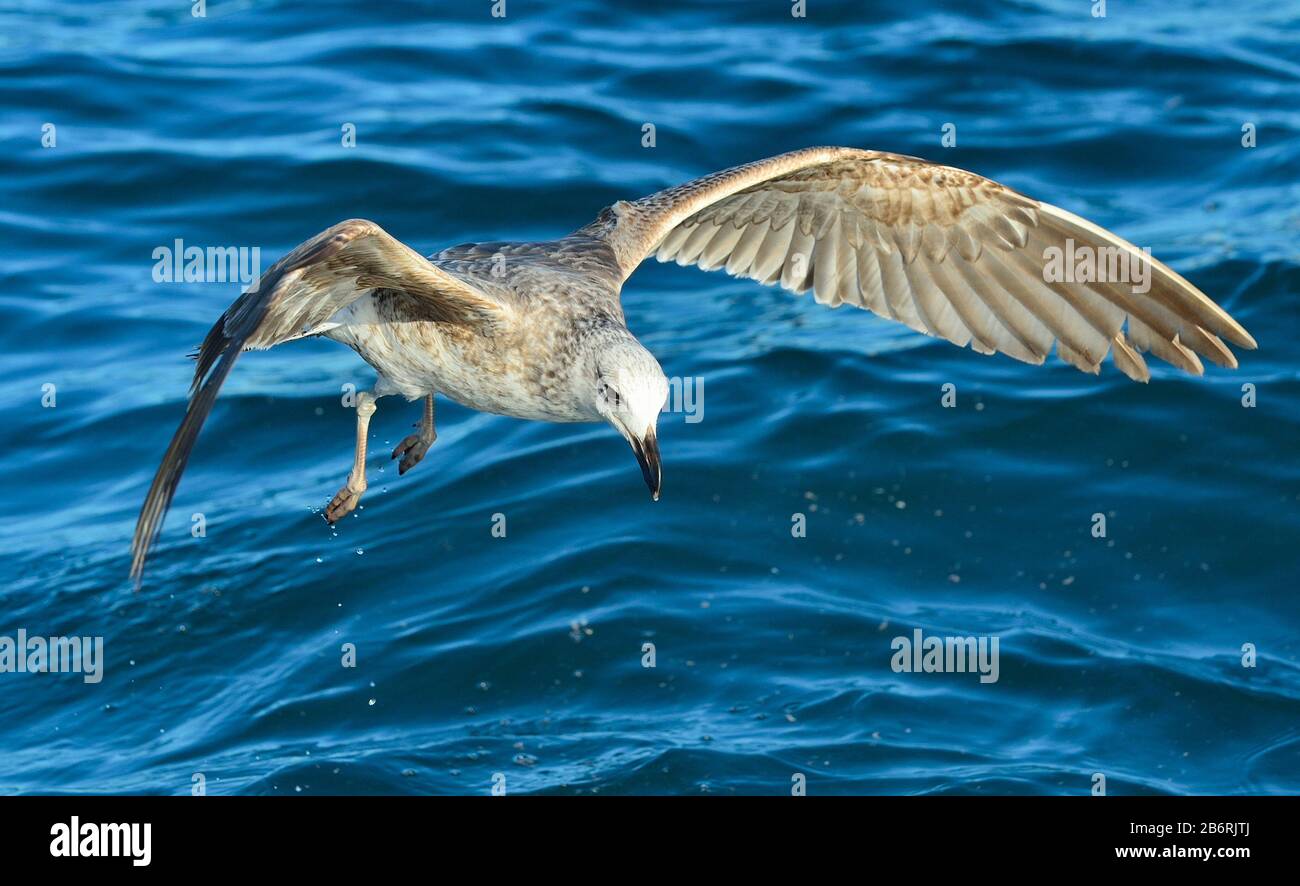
947 252
296 296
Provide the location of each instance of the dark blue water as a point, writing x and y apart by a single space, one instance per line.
522 655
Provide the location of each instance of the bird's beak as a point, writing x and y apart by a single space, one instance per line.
647 456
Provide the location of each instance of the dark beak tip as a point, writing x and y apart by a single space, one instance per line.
647 456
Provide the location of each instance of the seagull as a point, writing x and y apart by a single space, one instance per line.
537 331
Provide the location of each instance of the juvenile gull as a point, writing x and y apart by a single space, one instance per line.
536 330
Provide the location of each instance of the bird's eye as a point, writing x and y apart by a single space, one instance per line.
608 394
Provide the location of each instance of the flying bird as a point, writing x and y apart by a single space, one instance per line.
536 330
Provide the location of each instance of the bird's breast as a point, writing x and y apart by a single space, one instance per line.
510 372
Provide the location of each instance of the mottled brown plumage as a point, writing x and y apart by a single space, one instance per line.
536 330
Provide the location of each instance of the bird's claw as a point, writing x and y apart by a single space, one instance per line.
344 502
412 450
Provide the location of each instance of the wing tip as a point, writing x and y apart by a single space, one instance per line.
1239 336
1229 328
139 552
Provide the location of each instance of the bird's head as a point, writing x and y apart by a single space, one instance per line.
630 391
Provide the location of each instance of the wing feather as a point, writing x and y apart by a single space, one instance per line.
941 250
298 294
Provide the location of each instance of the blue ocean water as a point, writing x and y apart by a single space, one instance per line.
519 660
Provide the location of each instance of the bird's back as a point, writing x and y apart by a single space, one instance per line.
574 275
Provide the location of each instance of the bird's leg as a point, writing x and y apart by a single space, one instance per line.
346 499
413 448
